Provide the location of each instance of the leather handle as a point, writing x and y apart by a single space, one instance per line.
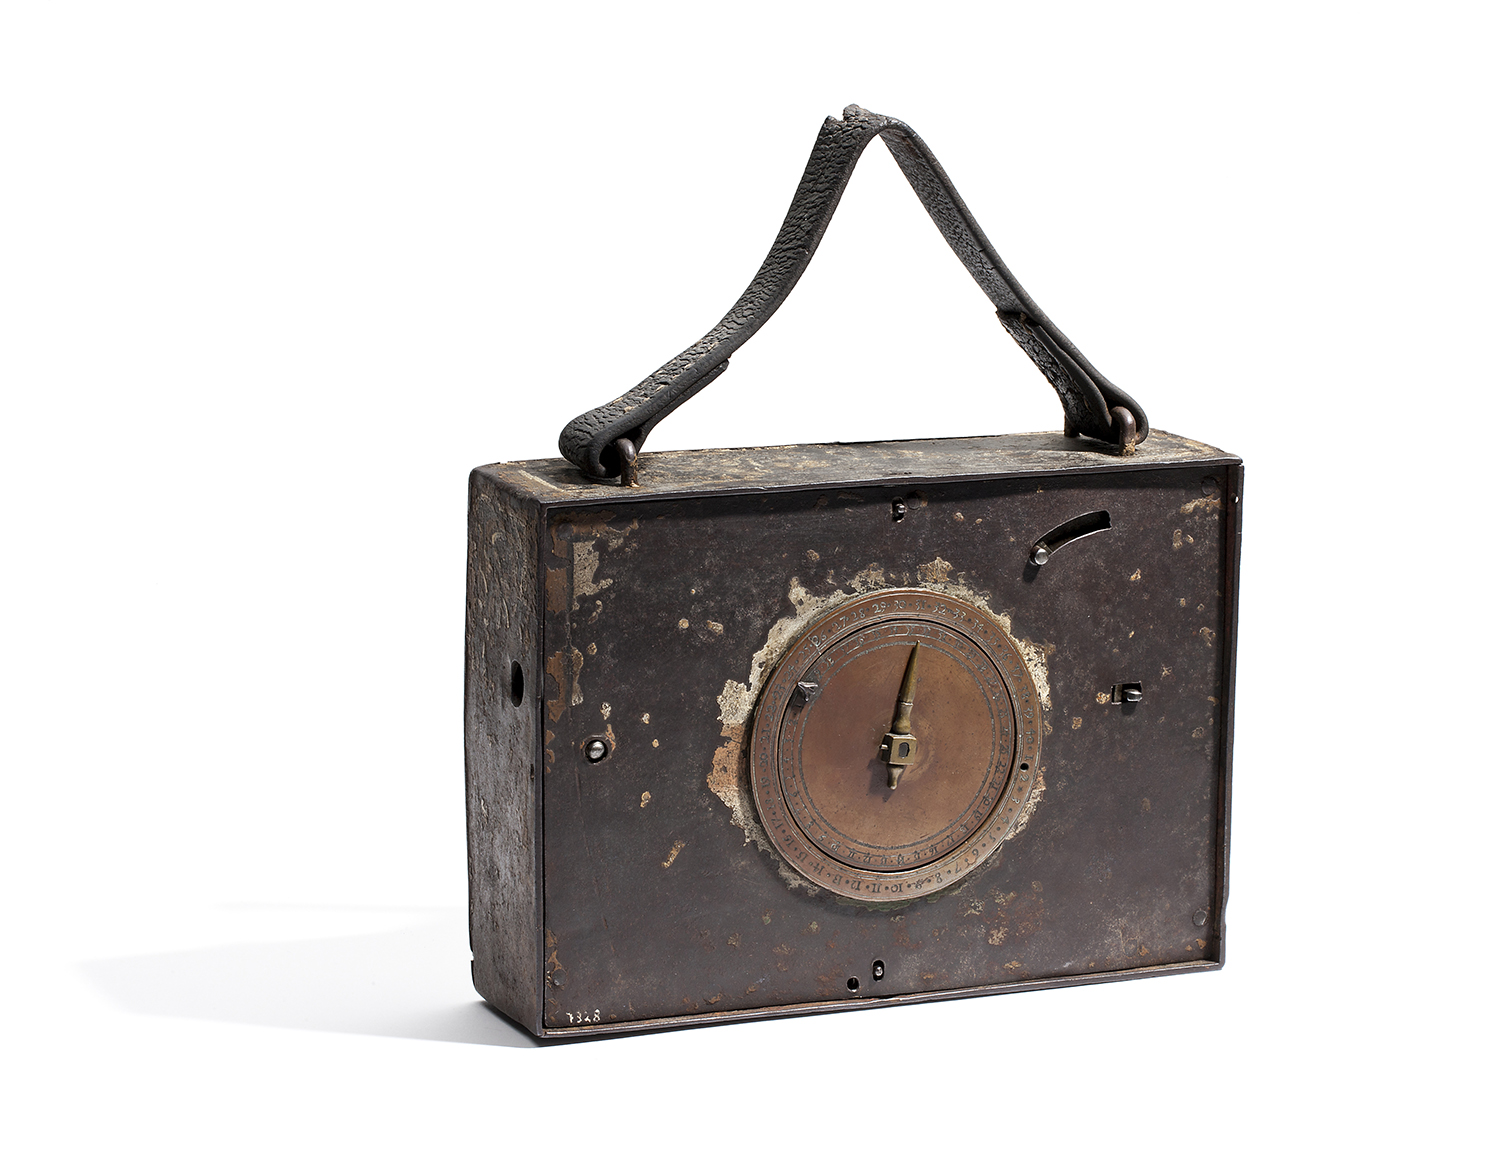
1091 404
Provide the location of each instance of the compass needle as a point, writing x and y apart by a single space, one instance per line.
900 747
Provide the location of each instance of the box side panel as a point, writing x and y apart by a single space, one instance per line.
501 712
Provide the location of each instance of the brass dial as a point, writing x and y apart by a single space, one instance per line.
895 745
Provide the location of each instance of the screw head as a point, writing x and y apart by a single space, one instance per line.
596 749
558 978
1199 917
1040 554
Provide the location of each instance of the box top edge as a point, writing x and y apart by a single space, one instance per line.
779 468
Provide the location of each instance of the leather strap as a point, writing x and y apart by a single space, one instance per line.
1090 402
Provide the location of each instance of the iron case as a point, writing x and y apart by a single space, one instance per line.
619 639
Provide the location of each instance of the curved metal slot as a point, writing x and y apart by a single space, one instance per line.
1069 531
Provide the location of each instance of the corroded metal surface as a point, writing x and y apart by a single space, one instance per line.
662 613
502 629
821 789
797 466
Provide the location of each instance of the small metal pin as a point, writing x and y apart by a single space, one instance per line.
804 692
596 749
1040 554
899 509
628 462
1128 430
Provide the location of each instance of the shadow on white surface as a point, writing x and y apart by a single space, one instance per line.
403 984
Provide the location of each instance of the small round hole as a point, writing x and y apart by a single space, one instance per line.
517 684
1024 766
852 984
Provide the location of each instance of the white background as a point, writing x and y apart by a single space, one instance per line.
273 277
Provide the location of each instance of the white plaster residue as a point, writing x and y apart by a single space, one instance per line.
871 577
737 699
728 777
585 579
584 567
1033 800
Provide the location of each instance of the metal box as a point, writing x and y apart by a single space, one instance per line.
621 640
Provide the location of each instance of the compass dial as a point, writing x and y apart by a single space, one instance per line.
895 745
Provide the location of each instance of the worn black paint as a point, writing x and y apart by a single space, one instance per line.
1125 850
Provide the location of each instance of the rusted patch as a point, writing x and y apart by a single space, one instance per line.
1207 505
1207 634
563 667
1135 577
557 599
644 800
675 850
576 536
557 670
726 778
577 667
1077 722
